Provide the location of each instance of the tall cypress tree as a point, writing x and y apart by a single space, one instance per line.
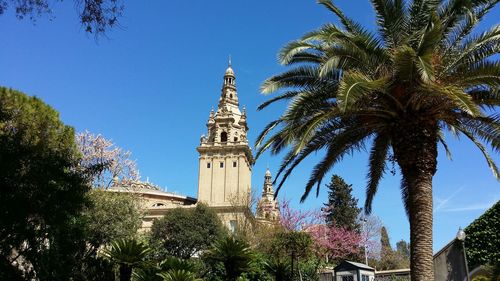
342 208
389 259
385 244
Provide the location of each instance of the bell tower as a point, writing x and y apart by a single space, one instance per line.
225 161
268 208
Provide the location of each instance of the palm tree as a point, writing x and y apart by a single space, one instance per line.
279 269
175 267
178 275
173 263
127 253
398 91
234 254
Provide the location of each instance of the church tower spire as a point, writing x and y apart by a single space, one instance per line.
225 162
229 97
268 209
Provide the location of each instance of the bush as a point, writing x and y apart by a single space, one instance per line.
185 232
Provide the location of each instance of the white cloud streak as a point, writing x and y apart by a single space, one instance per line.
472 207
443 203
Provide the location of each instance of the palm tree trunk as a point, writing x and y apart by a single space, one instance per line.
125 272
415 149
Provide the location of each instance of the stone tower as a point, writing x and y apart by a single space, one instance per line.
268 209
225 161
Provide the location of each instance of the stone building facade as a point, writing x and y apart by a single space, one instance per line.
224 171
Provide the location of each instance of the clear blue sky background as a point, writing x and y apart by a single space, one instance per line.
151 84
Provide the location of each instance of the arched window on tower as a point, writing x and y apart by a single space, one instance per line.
223 137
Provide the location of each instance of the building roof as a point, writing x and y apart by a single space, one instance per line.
148 188
350 265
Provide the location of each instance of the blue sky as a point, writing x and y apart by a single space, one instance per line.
150 86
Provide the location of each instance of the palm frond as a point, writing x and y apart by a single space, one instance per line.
485 97
476 49
455 33
322 138
292 160
431 38
349 58
349 24
479 74
344 143
445 145
453 12
425 68
269 127
310 127
392 20
298 77
455 95
302 106
405 195
178 275
295 119
420 12
127 251
284 96
377 166
292 49
307 56
333 37
355 86
404 64
486 155
486 128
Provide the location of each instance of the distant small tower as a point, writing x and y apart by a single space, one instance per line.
225 162
268 208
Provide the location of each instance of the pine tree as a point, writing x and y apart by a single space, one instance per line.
342 208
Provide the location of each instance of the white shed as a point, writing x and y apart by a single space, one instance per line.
354 271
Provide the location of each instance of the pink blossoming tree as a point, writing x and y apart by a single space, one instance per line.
335 243
331 243
296 220
115 163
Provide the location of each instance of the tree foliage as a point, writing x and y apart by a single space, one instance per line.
403 249
42 191
390 259
341 210
292 246
111 216
483 238
96 16
184 232
385 243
